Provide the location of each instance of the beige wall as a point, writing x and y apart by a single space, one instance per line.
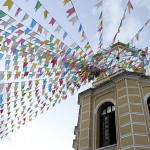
129 96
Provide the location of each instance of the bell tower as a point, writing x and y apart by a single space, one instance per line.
114 114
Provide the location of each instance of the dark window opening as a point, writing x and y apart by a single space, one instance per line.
148 104
107 126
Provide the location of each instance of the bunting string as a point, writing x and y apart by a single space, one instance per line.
72 12
38 70
54 21
129 7
137 35
100 27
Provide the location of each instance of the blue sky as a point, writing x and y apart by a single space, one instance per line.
54 129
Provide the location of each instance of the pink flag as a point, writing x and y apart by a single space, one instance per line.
52 21
39 29
22 41
130 6
146 49
18 11
137 36
70 11
19 25
7 41
19 32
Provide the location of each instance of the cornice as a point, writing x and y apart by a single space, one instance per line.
84 94
111 81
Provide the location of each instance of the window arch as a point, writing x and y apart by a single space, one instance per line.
106 128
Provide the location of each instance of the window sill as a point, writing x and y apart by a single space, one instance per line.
107 147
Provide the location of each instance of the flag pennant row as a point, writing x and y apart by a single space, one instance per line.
53 21
129 7
100 27
37 72
137 35
73 18
39 30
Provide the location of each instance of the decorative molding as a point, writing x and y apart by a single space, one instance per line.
102 102
84 94
111 81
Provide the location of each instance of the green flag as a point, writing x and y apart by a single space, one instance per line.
2 14
51 37
38 5
128 45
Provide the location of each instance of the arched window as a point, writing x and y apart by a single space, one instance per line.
148 104
106 125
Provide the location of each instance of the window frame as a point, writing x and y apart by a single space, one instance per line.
100 110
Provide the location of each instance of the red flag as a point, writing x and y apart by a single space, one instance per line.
70 11
52 21
130 6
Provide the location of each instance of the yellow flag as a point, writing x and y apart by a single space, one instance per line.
29 44
45 14
57 42
8 3
34 65
1 38
87 47
66 1
47 69
26 60
118 30
80 53
15 88
46 42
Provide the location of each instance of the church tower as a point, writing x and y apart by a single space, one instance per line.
114 114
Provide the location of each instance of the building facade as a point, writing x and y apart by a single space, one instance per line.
115 114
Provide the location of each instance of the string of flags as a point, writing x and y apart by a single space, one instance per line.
129 7
100 27
136 36
38 70
72 14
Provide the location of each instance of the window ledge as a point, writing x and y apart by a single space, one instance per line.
106 147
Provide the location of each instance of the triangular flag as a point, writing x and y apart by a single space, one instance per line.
45 14
26 16
66 1
70 11
52 21
130 6
51 38
37 6
147 22
99 4
58 28
64 36
2 14
8 3
18 11
80 28
46 32
74 20
11 20
33 23
5 24
27 30
39 29
101 14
